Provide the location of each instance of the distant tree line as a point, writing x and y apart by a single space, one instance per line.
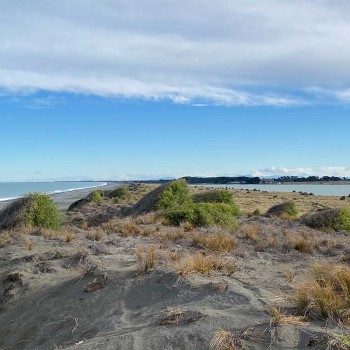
309 179
226 180
223 180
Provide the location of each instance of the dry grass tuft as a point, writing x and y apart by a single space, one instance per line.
250 231
69 237
327 295
146 258
96 234
278 318
5 239
174 235
225 340
199 263
187 226
220 242
173 316
300 244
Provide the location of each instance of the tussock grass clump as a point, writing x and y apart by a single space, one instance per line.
199 263
286 210
337 219
5 239
219 242
216 196
225 340
250 231
146 258
278 318
327 295
35 209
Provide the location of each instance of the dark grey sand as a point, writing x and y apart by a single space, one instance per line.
65 199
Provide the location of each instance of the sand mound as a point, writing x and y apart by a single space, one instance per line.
333 219
13 215
149 202
286 208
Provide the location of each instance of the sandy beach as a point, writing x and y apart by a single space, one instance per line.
65 199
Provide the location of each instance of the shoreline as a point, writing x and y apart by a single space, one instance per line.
64 199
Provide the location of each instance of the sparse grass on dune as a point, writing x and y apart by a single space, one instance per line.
218 242
278 318
146 258
204 264
225 340
327 294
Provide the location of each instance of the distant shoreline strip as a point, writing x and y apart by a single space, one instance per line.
5 199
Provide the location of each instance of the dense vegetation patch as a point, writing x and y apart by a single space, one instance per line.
337 219
175 195
285 210
216 196
120 195
97 196
35 209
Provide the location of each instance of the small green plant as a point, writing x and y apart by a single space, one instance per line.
43 212
97 196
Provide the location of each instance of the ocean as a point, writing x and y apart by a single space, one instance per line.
317 189
12 190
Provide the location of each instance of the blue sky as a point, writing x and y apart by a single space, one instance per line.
149 89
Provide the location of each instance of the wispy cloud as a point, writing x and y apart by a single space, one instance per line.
218 53
322 171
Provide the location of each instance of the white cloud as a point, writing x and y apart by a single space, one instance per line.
322 171
197 52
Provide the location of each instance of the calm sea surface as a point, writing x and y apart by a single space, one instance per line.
10 190
322 190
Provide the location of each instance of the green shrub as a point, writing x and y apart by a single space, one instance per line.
337 219
121 194
97 196
214 214
175 195
176 216
216 196
42 212
285 210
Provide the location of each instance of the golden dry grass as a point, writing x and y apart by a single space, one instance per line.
250 231
4 239
95 234
199 263
327 294
225 340
146 257
219 242
278 318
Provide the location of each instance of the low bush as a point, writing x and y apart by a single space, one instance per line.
216 196
175 195
214 214
97 196
203 215
337 219
120 195
286 210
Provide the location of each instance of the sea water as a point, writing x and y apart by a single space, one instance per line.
317 189
12 190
